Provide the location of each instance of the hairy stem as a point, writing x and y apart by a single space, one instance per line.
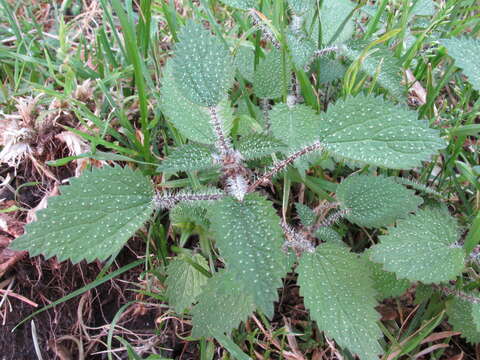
168 200
223 143
284 163
296 240
457 293
264 29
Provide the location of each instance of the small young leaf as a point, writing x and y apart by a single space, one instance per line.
222 305
269 78
465 51
301 48
421 248
240 4
382 65
386 283
92 218
192 120
245 62
329 235
190 157
203 66
337 289
373 131
256 146
465 317
183 214
375 201
250 240
184 282
307 216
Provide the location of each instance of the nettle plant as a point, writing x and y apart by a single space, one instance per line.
98 212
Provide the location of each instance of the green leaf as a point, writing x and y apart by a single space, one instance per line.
375 201
300 7
190 157
337 289
203 66
189 213
222 305
465 318
250 240
332 15
307 216
184 282
373 131
256 146
92 218
381 65
245 62
422 248
423 8
331 70
192 120
386 283
269 78
301 48
240 4
465 51
329 235
296 126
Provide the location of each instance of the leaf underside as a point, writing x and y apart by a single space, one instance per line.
203 66
420 248
92 218
339 293
375 201
184 282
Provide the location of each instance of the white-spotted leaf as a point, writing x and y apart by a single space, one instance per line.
270 79
192 120
184 282
203 66
386 283
301 48
300 7
245 62
306 215
339 293
371 130
464 316
256 146
240 4
250 239
190 157
332 15
375 201
92 218
222 305
465 51
422 248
